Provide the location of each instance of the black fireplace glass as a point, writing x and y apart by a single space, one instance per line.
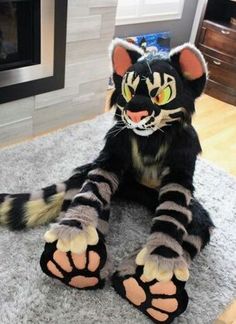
19 33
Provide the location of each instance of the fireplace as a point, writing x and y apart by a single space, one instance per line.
32 47
19 34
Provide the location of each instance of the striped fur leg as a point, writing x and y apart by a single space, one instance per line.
75 250
198 231
162 256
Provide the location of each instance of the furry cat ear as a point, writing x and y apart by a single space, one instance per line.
123 54
190 60
191 65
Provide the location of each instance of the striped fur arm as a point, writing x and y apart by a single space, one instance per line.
163 255
86 220
91 205
173 215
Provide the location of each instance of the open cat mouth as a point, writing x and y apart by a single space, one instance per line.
141 123
144 124
143 127
147 125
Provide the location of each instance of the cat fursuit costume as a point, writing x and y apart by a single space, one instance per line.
149 156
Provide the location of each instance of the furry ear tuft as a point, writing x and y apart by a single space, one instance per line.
121 60
191 65
123 54
191 62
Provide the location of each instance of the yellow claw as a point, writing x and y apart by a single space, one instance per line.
63 245
150 270
50 237
92 235
182 274
79 243
142 257
164 275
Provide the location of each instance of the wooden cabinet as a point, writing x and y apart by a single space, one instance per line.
218 45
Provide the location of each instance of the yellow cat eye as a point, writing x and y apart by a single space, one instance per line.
163 97
127 92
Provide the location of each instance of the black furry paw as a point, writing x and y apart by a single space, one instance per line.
160 301
82 271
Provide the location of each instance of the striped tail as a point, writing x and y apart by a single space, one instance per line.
19 211
26 210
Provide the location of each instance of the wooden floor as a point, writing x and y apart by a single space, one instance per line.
215 122
228 316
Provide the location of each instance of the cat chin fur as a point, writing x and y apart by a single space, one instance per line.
145 132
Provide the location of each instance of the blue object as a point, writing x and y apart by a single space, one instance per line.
154 43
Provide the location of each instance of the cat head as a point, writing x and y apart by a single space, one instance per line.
152 92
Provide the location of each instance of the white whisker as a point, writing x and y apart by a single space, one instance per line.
111 131
148 66
119 115
119 131
116 129
155 127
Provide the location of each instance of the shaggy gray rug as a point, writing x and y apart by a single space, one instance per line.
28 296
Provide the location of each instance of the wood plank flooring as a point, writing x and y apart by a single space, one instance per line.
215 122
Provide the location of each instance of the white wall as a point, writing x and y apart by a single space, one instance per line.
180 28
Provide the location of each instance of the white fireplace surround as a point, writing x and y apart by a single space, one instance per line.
90 28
